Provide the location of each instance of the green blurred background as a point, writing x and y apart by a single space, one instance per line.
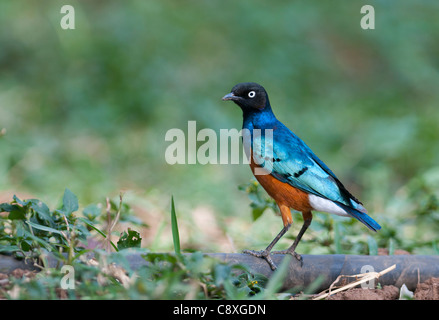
88 108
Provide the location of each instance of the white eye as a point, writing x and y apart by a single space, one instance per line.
251 94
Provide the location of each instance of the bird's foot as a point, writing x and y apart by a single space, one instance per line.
293 253
264 254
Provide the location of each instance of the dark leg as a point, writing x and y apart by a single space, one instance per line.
292 250
265 254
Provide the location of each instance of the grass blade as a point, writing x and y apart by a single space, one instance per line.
277 279
98 231
174 225
373 246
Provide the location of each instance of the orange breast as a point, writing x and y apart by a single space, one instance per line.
284 195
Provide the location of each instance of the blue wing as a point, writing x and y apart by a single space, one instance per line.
293 162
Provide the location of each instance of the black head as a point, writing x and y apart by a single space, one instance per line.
248 95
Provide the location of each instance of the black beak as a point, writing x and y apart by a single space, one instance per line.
230 96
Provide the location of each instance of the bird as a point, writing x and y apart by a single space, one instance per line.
289 171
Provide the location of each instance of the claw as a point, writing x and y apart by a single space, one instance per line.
264 254
293 253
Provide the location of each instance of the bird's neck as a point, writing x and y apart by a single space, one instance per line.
255 118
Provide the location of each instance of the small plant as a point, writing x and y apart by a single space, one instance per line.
129 239
31 230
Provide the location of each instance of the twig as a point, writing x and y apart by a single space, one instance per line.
111 224
108 210
364 277
118 212
70 240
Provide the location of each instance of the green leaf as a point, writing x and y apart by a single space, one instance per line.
26 245
221 273
19 214
40 241
158 257
131 239
11 248
70 202
21 202
80 253
257 212
174 225
6 207
41 209
44 228
92 211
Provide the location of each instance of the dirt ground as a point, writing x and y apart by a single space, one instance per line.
428 290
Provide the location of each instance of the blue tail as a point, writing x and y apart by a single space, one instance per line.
368 221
